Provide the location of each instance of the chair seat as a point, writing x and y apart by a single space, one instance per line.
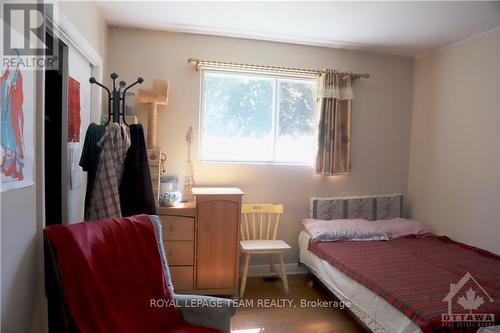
264 245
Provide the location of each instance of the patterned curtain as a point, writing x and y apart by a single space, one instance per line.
334 128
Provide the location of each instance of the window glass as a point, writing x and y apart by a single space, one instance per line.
256 118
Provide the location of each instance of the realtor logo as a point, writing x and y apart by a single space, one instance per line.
31 18
24 44
469 295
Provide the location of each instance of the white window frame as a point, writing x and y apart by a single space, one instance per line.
265 74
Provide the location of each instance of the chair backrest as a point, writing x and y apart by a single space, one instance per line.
260 221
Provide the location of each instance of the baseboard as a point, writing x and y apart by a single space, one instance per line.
291 269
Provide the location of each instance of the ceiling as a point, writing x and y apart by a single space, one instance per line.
407 29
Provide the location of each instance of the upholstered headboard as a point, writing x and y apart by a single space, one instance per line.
371 207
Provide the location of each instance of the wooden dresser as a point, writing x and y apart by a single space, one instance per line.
201 241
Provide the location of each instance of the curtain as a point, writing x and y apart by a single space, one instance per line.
334 128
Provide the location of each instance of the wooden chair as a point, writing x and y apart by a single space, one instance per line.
259 228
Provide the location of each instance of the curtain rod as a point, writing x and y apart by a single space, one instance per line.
220 64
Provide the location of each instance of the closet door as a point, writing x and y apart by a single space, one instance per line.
77 119
217 244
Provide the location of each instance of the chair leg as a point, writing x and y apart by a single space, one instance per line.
283 274
245 274
271 265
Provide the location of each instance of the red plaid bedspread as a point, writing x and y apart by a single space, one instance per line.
414 275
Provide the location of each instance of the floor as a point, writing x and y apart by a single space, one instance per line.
265 309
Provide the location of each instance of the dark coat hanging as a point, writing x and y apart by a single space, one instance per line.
90 159
136 191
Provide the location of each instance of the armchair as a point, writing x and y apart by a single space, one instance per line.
195 310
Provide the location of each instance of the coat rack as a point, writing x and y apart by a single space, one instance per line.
116 97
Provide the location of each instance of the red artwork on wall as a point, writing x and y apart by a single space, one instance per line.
73 110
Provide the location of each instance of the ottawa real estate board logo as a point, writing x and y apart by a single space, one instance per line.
464 302
25 45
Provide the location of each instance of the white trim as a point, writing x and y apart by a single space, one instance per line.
442 48
40 194
64 29
291 269
259 36
71 36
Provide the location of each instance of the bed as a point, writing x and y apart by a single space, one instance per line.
379 311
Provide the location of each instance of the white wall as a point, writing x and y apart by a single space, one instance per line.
381 116
20 306
86 18
19 266
454 165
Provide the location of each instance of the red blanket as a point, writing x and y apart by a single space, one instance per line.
414 275
111 273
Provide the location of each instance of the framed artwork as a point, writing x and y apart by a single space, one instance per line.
17 128
74 119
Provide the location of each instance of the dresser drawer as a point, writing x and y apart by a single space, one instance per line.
182 277
177 227
179 252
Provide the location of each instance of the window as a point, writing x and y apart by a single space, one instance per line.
260 118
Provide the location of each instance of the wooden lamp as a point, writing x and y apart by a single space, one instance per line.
158 95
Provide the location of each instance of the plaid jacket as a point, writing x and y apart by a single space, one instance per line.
105 198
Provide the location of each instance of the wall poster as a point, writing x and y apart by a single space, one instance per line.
16 128
74 119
